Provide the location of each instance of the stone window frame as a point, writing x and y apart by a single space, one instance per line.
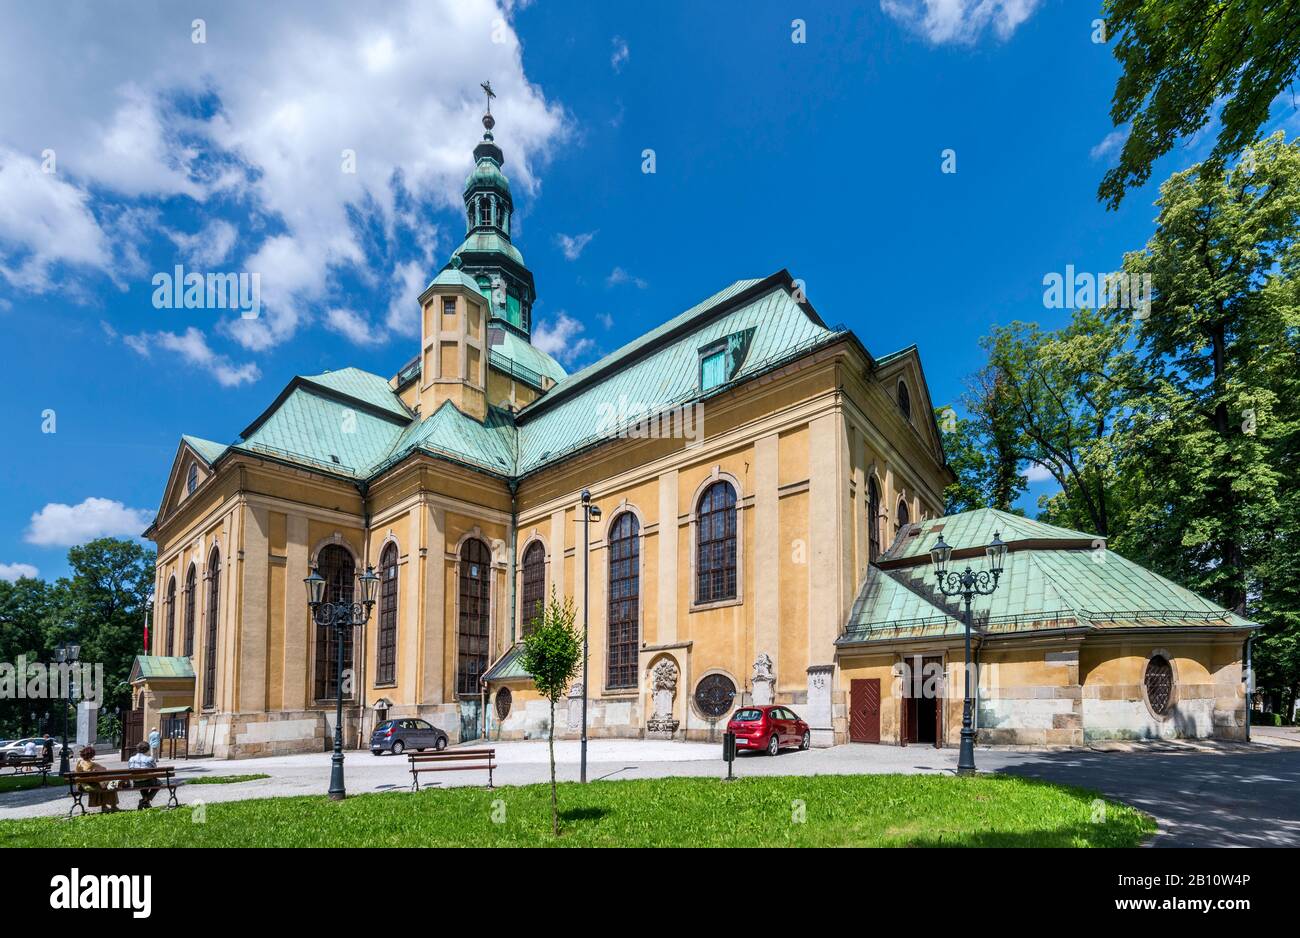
389 541
601 542
211 620
1173 685
495 569
904 400
534 538
170 643
190 610
718 474
312 563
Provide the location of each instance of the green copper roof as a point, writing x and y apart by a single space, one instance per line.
517 349
363 386
205 448
487 174
447 432
326 433
509 666
451 277
489 242
1042 586
600 399
149 667
892 356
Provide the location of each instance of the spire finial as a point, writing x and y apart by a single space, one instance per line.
488 120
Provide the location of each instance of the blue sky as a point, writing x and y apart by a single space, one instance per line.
823 157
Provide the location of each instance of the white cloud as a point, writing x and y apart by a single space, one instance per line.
409 281
193 349
562 338
354 327
44 221
1113 142
619 276
606 320
572 245
960 21
619 57
59 525
1036 473
262 113
16 571
207 247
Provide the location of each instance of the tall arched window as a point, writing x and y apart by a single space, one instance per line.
475 615
624 600
715 544
191 587
904 400
904 516
386 639
336 565
171 617
873 520
210 632
533 594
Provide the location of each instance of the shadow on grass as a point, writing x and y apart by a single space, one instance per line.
583 814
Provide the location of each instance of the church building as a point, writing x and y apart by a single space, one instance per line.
745 495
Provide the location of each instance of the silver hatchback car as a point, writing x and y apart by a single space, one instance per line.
396 736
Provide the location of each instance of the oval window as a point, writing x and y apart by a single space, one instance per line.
1159 681
714 694
503 703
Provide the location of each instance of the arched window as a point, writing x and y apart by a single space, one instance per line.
191 587
210 632
533 595
1159 681
171 617
904 400
335 564
192 479
475 614
386 639
873 520
715 544
624 600
904 516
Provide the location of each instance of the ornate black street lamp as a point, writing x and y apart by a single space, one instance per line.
340 616
66 653
590 513
967 584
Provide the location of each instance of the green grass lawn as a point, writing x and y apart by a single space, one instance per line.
825 811
25 781
223 779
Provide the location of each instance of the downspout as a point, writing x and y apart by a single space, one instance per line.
364 489
1249 678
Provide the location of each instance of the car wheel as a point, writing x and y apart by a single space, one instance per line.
773 745
441 744
398 748
806 743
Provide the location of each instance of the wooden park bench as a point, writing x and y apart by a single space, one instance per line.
22 764
451 760
164 775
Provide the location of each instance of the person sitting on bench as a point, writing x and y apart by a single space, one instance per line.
100 797
143 759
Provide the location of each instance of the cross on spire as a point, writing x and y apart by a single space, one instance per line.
487 88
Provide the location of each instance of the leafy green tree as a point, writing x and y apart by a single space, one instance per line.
982 449
552 653
1202 454
27 611
1181 59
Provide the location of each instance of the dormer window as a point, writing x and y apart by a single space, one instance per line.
713 367
192 479
904 401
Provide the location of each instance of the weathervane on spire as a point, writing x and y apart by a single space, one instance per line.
488 120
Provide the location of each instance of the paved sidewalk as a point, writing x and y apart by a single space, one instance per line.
1207 795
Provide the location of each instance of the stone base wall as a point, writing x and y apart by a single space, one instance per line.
248 735
530 718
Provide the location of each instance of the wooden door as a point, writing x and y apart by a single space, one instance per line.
864 710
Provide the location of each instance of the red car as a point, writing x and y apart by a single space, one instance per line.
769 727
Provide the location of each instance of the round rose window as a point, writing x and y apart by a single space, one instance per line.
714 694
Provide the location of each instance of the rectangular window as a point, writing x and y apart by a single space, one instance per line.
713 369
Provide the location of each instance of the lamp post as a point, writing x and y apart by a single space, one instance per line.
967 584
340 616
590 513
66 653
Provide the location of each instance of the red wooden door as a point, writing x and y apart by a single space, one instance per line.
864 710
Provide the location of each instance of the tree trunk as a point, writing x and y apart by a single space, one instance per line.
555 813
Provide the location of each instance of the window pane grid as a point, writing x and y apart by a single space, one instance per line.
386 663
210 645
475 607
715 550
189 612
624 601
534 587
336 565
